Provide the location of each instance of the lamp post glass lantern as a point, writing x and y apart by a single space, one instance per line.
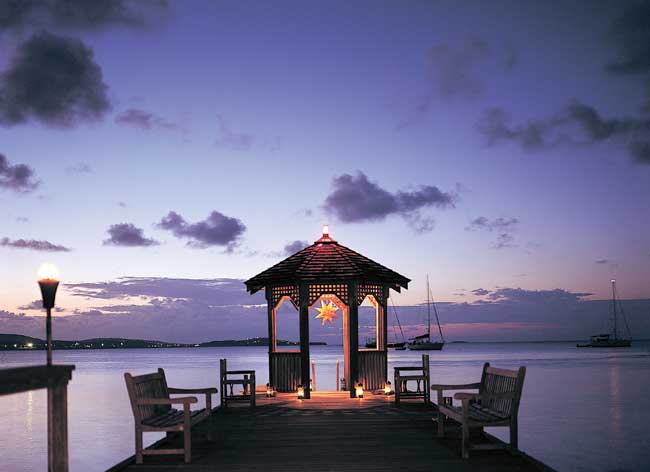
48 282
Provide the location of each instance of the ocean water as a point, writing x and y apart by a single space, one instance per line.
581 410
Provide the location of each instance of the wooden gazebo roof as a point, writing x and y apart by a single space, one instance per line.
326 261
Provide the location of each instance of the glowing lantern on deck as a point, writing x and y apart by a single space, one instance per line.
388 389
358 390
269 391
301 392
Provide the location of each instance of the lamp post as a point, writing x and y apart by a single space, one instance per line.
48 282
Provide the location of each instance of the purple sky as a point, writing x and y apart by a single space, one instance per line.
502 148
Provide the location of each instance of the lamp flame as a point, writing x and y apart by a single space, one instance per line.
48 271
326 230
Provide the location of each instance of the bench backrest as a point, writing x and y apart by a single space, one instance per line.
496 380
147 386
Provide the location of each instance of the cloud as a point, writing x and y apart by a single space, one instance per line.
505 226
38 305
602 261
19 178
503 241
216 292
196 310
242 141
75 14
576 124
146 121
52 79
79 168
356 199
22 219
480 292
295 246
128 235
32 244
631 32
499 224
456 72
216 230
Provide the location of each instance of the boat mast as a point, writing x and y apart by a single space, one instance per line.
428 311
397 318
614 307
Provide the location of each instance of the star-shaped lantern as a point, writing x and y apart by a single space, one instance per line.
327 312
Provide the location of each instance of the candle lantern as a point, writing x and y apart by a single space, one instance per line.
388 390
48 283
359 390
301 392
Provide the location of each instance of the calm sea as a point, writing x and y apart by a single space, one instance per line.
582 409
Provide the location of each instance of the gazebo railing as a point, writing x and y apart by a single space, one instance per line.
372 369
285 370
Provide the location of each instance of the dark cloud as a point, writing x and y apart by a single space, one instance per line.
294 247
356 199
18 177
32 244
577 124
520 295
216 230
75 14
631 30
79 168
480 292
602 261
128 235
54 80
499 224
147 121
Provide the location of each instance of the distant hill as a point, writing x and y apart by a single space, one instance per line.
11 342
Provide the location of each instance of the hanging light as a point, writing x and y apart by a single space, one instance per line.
358 390
301 392
388 390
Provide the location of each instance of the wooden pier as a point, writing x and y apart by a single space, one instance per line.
329 432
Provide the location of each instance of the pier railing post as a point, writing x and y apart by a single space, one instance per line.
57 426
304 338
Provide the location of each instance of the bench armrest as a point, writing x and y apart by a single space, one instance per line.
166 401
192 390
484 396
407 368
442 387
251 372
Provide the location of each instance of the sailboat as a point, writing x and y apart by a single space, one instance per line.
398 346
371 343
612 339
423 342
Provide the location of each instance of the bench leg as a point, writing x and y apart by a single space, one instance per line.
138 446
187 433
514 440
441 417
465 440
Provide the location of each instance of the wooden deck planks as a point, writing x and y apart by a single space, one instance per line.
329 432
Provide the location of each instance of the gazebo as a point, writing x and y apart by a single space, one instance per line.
344 278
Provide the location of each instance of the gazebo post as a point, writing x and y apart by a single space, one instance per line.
272 340
384 309
304 338
353 330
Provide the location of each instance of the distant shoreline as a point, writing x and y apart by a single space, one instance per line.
17 342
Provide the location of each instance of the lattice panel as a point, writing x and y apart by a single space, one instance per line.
340 290
290 291
375 290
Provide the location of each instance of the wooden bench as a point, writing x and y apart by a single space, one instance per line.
229 378
152 411
417 374
495 404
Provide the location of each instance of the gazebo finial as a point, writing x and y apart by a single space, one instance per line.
326 238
